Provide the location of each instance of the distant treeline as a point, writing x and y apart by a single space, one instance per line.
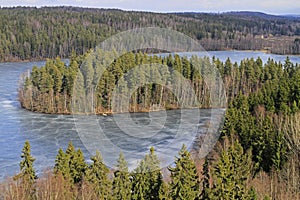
39 33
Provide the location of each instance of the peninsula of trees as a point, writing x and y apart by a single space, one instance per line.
47 32
50 89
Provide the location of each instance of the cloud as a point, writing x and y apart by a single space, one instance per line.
269 6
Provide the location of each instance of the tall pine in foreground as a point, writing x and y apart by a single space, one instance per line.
97 175
70 164
147 178
153 174
27 172
185 181
230 174
140 185
62 164
121 184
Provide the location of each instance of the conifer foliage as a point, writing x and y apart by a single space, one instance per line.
185 179
97 175
121 186
230 174
27 172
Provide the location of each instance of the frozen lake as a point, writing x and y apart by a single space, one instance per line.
47 133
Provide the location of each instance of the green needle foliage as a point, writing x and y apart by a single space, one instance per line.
27 172
62 164
154 175
97 175
121 186
70 164
185 180
230 174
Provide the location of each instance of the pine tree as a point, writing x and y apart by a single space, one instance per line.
79 166
121 187
62 164
230 174
163 193
205 180
154 176
97 175
140 186
27 172
185 180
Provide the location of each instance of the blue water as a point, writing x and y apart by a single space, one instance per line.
238 56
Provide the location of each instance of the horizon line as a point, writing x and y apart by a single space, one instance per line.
148 11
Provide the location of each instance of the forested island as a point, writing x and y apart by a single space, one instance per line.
37 33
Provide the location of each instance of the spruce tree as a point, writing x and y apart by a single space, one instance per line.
185 180
70 154
140 185
153 174
121 187
27 172
147 178
62 164
205 180
230 174
71 165
163 193
97 175
79 166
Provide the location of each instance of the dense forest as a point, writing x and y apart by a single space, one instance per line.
47 32
57 88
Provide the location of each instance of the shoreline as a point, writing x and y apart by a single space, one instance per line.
228 49
110 113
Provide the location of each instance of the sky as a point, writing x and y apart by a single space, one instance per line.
277 7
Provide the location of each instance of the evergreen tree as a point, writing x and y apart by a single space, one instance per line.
185 180
79 166
121 186
140 186
62 164
163 193
147 178
154 176
205 180
230 174
27 172
70 164
97 175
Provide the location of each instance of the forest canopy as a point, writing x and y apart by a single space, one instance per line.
28 33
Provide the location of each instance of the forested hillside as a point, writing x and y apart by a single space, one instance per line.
39 33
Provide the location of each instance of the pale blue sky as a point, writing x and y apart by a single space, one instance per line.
267 6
